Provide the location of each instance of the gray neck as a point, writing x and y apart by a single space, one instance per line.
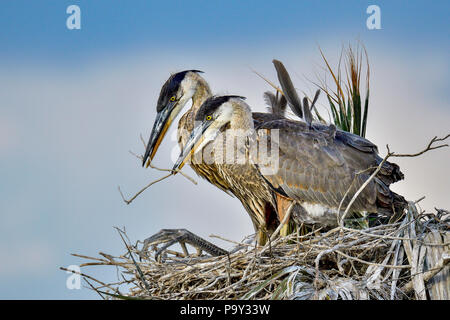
202 93
242 116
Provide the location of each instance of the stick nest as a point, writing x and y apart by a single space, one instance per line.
403 260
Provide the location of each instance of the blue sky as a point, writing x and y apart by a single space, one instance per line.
73 102
37 29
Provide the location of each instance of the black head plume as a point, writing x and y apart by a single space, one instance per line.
170 88
212 104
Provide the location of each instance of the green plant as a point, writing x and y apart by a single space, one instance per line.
345 100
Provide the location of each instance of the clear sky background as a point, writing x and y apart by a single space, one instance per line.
74 102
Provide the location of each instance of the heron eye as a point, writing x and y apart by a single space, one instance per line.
208 118
172 99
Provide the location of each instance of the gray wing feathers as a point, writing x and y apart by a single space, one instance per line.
356 141
314 170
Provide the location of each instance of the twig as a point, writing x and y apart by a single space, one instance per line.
418 200
142 190
428 274
428 148
141 274
269 82
88 277
165 170
283 222
94 288
373 263
231 241
341 221
389 154
171 172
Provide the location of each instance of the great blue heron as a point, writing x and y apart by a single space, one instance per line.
175 93
317 166
261 197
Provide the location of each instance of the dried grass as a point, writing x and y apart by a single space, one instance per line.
403 260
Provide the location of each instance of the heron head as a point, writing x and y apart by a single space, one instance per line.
215 114
175 93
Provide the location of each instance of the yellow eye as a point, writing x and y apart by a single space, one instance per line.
172 99
208 118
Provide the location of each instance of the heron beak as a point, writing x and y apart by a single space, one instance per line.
163 121
198 138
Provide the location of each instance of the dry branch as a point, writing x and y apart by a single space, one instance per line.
171 173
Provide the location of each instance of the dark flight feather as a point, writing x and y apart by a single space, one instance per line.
288 88
277 103
316 96
307 111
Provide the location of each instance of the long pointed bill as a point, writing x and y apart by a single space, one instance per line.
199 137
163 121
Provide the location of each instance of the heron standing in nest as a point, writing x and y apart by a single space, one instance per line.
175 93
317 165
256 192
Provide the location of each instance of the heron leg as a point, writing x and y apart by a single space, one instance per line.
284 230
181 236
283 205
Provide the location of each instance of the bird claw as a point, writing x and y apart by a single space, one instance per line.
169 237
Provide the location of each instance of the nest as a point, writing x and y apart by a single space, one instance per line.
403 260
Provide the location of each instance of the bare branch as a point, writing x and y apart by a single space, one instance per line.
142 190
171 172
141 274
269 82
429 147
143 141
427 275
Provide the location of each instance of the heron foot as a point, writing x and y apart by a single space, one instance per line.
168 237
